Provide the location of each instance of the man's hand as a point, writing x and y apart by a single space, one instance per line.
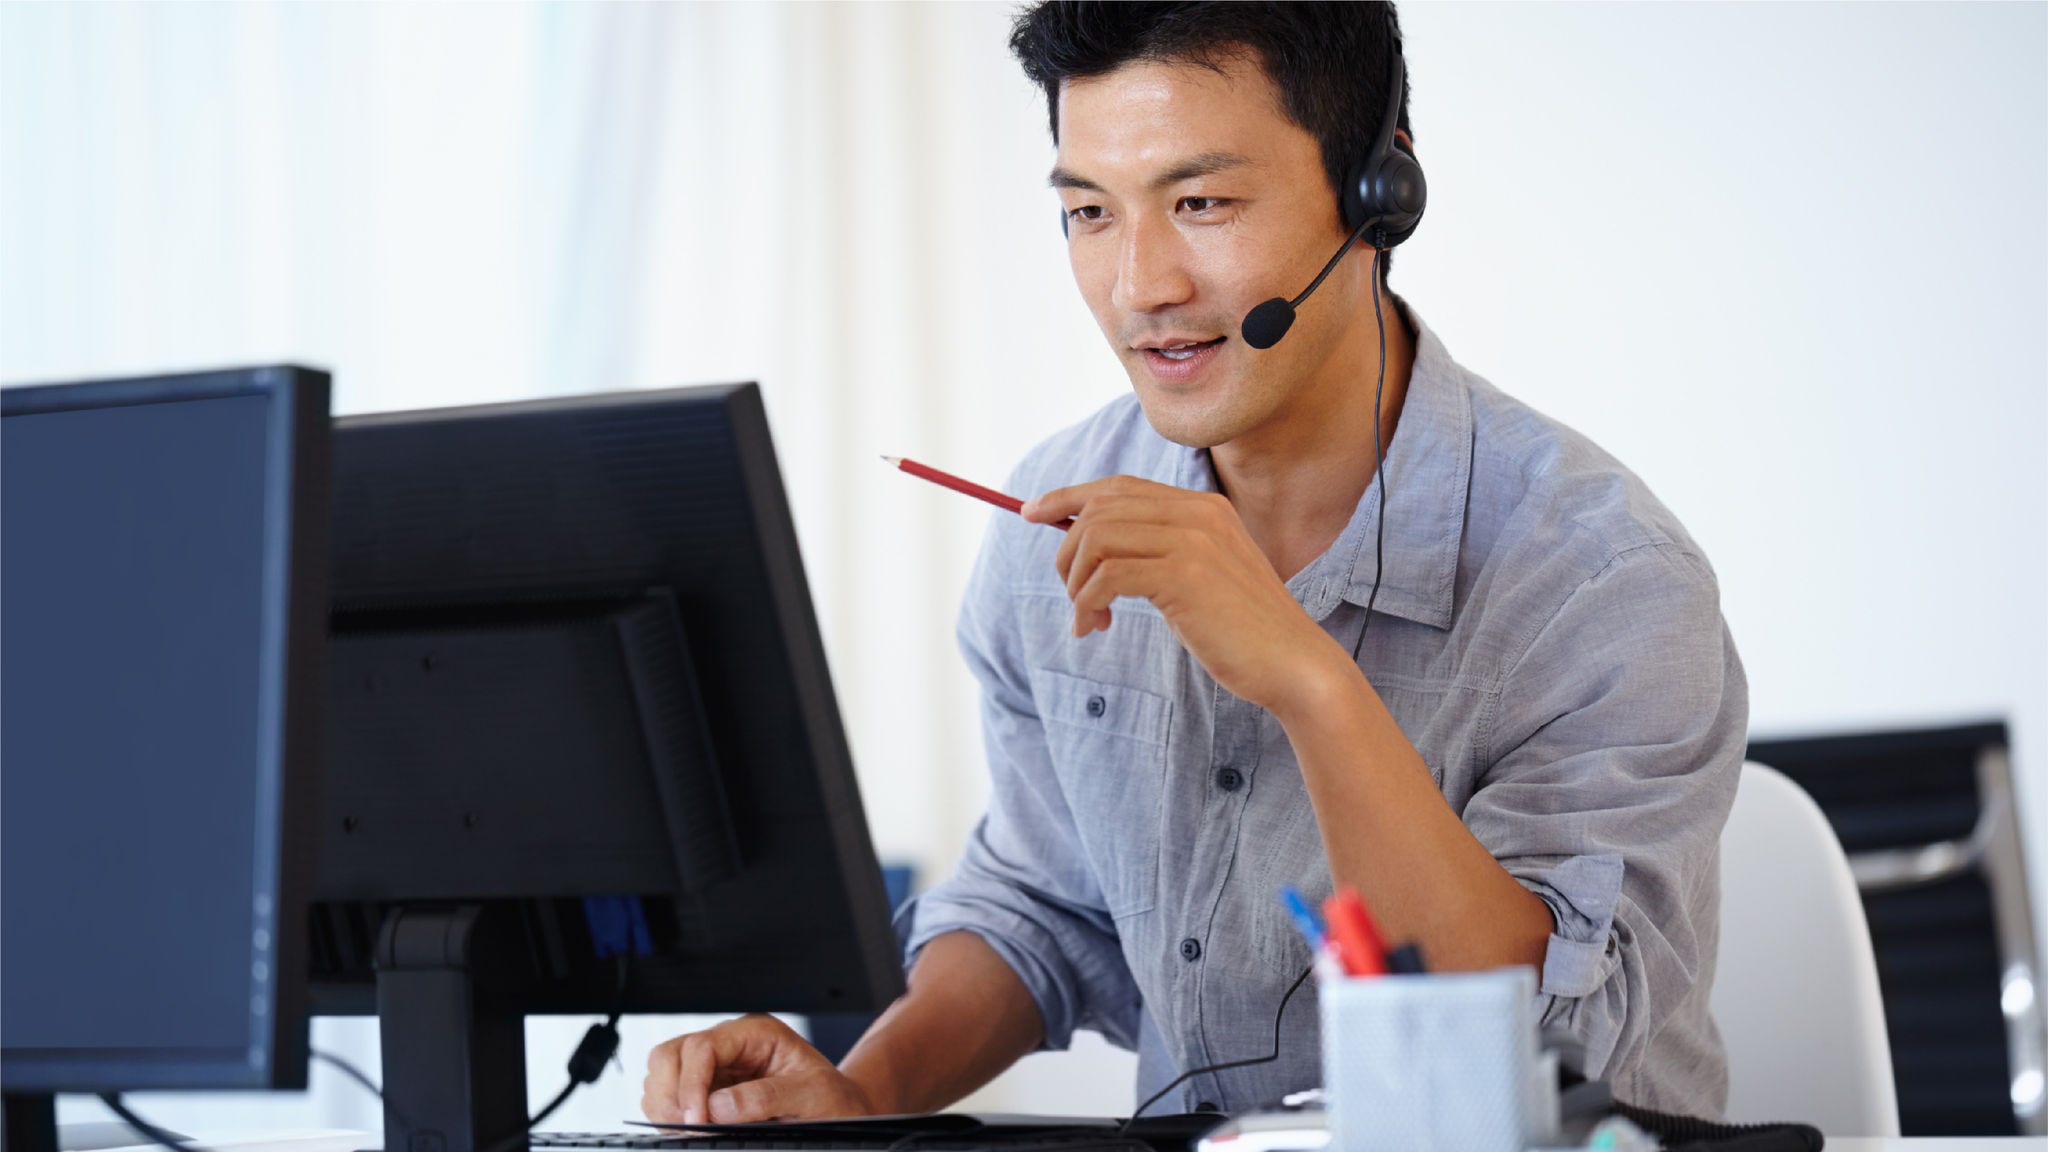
1189 554
752 1068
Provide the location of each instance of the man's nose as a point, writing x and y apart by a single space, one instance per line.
1151 268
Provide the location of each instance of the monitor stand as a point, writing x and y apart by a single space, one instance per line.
30 1122
454 1045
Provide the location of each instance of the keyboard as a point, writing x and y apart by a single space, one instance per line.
945 1132
670 1140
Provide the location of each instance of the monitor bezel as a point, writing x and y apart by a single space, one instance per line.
292 666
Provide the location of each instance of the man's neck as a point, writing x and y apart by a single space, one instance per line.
1297 485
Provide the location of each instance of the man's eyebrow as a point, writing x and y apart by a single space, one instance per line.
1203 164
1061 178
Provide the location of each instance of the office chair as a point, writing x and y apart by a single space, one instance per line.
1795 993
1930 819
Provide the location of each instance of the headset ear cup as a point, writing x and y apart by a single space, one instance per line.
1393 192
1063 221
1400 195
1387 188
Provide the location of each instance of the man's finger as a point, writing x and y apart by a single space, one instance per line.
734 1048
696 1066
812 1094
658 1091
1114 577
1059 503
752 1100
1104 542
1106 508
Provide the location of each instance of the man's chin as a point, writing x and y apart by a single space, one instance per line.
1185 420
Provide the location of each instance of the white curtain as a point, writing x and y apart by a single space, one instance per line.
1786 261
456 203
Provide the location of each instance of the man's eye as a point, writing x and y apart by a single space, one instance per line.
1085 212
1201 203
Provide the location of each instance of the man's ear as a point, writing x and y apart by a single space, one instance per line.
1406 141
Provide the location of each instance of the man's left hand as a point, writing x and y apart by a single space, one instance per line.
1189 554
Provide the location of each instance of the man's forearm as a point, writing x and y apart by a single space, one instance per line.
965 1018
1389 833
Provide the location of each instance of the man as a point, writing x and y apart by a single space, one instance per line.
1526 759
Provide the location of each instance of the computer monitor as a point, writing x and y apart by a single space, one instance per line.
577 708
163 601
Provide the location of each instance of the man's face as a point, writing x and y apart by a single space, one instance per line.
1190 198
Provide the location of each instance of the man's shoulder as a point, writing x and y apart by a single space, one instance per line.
1543 488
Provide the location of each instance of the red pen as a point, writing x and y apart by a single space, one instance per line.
967 487
1360 946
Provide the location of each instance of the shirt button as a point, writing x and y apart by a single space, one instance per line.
1096 707
1229 779
1191 949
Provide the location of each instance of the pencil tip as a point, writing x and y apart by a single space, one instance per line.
893 459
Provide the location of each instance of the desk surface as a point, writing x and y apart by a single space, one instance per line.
336 1141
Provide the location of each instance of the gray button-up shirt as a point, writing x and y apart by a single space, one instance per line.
1546 634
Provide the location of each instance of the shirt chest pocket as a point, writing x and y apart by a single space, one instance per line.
1108 746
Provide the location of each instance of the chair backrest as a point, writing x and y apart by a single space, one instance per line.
1795 993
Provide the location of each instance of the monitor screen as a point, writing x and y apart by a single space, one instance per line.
146 567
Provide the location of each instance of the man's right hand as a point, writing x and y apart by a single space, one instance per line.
752 1068
965 1018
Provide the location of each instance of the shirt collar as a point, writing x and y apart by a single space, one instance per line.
1428 474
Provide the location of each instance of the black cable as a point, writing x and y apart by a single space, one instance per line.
349 1070
1184 1077
113 1101
585 1064
1379 560
363 1078
1379 456
539 1117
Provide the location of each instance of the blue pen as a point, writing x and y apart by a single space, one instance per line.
1311 928
1304 919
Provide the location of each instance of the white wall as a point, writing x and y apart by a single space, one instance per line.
1788 261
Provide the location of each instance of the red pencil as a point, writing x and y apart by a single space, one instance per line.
967 487
1360 946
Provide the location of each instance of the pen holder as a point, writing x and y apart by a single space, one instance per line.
1431 1063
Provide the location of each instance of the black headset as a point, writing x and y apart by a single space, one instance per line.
1385 195
1387 188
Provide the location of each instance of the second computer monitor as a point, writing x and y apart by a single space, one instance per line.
576 687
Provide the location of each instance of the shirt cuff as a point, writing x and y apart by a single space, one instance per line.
1028 949
1583 951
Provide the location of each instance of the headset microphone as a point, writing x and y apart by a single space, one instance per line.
1266 324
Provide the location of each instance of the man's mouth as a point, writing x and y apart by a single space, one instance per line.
1183 349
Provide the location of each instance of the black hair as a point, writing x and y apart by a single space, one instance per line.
1330 61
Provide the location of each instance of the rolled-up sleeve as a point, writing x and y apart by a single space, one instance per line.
1022 883
1618 737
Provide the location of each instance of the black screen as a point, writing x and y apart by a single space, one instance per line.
138 732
